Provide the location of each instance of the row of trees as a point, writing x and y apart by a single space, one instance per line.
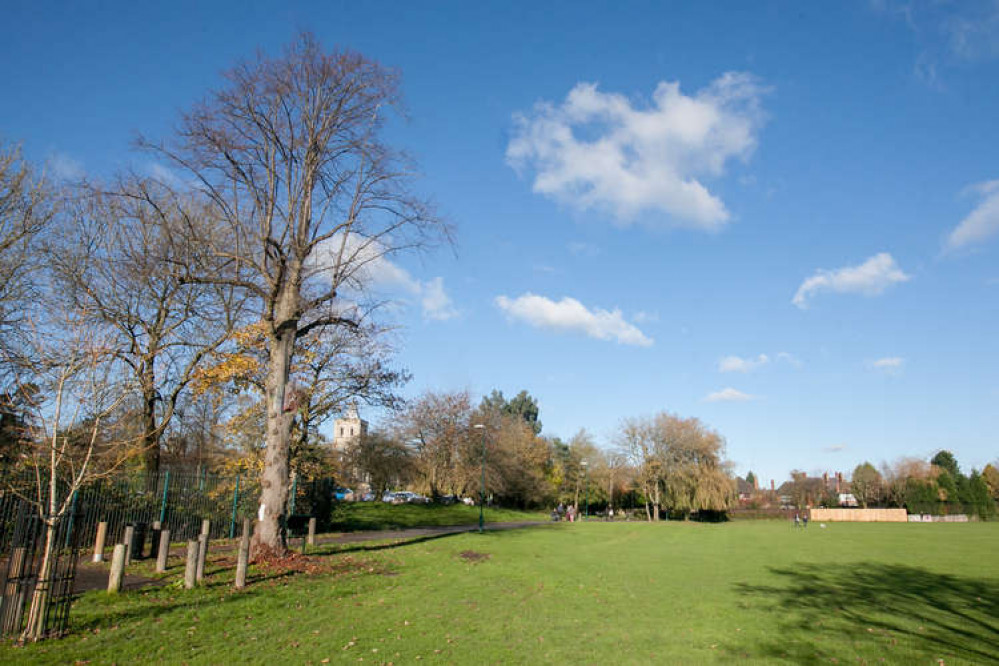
935 486
664 462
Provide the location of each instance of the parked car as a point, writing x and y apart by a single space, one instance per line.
368 497
409 497
343 494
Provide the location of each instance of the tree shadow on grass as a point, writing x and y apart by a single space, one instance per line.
361 547
878 609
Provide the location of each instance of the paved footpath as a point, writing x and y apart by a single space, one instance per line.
90 576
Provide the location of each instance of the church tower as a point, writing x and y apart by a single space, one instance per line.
348 428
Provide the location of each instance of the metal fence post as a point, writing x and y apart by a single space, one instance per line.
72 517
163 504
235 507
294 492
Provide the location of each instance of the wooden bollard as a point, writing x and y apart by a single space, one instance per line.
129 533
102 535
312 531
163 551
190 569
117 568
243 556
206 526
202 556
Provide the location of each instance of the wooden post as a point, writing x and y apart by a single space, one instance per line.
118 558
190 570
102 535
129 533
163 551
312 531
202 556
243 556
206 526
14 594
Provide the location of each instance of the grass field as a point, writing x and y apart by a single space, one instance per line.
359 516
593 593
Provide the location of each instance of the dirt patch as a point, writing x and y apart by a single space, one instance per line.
472 556
296 563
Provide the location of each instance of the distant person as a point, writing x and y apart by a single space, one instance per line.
561 510
570 513
610 515
804 520
797 521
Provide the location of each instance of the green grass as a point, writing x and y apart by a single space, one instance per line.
358 516
757 592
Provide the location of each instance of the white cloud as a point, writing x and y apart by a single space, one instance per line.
643 317
974 33
64 167
728 395
569 314
890 364
982 222
869 278
835 448
373 270
597 150
167 176
436 303
736 364
789 358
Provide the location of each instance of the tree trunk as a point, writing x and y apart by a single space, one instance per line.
42 596
150 436
274 479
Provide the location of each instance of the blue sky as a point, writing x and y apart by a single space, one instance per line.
780 218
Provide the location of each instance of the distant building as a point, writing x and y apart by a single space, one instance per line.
813 490
348 428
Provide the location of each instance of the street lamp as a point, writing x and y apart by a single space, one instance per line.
482 483
586 490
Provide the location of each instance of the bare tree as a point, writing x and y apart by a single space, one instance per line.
440 427
116 261
304 195
383 459
26 208
73 438
637 438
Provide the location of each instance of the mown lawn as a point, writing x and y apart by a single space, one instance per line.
593 593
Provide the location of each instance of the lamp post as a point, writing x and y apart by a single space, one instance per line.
586 490
482 482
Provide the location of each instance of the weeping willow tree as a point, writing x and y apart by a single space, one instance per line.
679 463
